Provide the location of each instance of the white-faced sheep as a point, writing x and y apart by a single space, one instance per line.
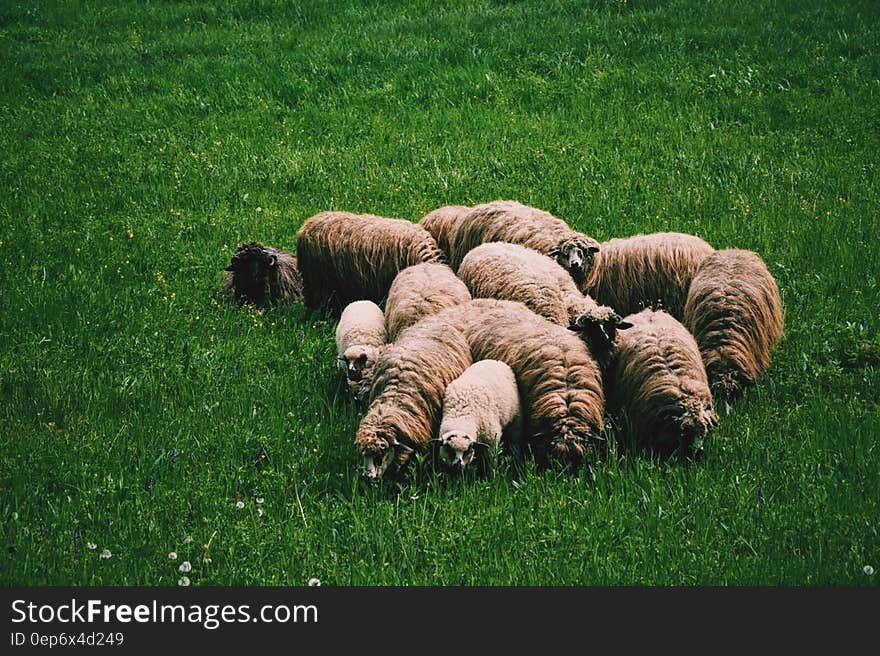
735 313
344 257
516 273
560 383
513 222
656 379
653 270
420 291
478 407
262 276
406 399
360 339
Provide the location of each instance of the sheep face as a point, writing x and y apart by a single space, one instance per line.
380 444
457 449
357 362
575 255
691 417
252 268
599 327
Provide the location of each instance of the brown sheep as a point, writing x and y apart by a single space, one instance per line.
442 223
344 257
262 276
735 313
517 273
406 400
420 291
656 379
653 270
513 222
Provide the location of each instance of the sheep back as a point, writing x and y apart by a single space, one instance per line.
442 223
658 380
735 312
642 271
420 291
345 257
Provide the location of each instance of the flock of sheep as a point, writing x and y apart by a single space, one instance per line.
500 321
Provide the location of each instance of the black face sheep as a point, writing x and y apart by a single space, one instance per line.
406 399
560 383
657 380
513 222
478 406
735 313
262 276
344 257
420 291
642 271
360 339
517 273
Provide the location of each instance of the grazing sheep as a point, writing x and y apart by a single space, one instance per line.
344 257
735 313
360 339
560 383
262 276
420 291
510 221
657 380
478 406
442 223
406 399
642 271
517 273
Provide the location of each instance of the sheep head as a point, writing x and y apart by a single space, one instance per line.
457 449
599 325
381 444
575 255
253 267
357 362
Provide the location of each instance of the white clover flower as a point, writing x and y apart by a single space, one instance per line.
91 545
185 566
313 581
106 553
260 512
183 580
239 504
868 570
172 555
260 501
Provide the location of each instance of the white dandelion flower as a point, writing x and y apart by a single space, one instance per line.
187 539
183 580
91 545
106 553
313 581
239 504
260 501
867 569
260 512
172 555
185 566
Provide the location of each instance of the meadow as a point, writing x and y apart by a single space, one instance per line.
143 417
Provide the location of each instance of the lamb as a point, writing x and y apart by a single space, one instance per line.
360 340
560 383
344 257
510 221
262 276
653 270
420 291
409 380
656 379
478 406
516 273
735 313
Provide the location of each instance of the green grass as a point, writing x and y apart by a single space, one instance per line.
142 141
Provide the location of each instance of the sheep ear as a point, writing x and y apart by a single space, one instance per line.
482 445
229 268
400 446
575 328
553 252
593 249
623 325
271 259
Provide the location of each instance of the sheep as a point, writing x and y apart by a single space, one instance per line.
735 313
510 221
653 270
344 257
560 383
420 291
478 406
360 340
517 273
406 399
262 276
656 379
442 223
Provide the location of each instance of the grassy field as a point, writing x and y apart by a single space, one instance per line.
142 141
